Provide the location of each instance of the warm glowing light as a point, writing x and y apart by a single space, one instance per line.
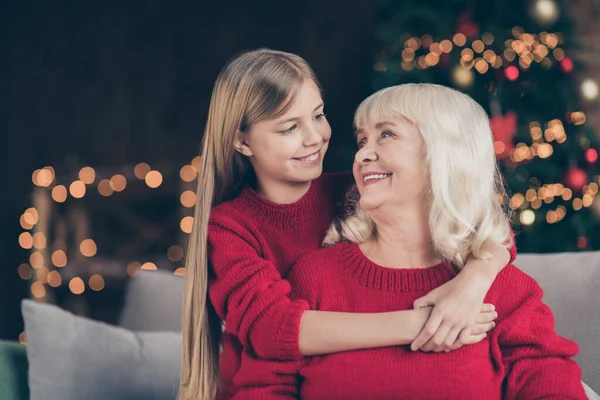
462 77
59 194
59 258
459 39
527 217
589 89
88 248
24 223
39 241
26 240
511 73
54 279
154 179
42 274
76 285
25 271
446 46
175 253
36 260
105 188
96 282
38 289
77 189
481 66
517 201
118 183
187 224
31 216
133 268
87 175
141 170
148 266
188 199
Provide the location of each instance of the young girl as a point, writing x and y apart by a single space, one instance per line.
263 202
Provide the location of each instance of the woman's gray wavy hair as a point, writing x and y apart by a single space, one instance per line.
468 200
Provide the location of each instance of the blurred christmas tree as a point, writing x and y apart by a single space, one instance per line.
514 58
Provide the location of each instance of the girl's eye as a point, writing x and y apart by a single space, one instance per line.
386 134
320 116
361 143
290 130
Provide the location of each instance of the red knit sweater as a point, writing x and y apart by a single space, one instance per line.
252 243
522 358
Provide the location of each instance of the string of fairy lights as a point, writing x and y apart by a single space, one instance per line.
42 273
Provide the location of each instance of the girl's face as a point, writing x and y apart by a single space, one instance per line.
289 150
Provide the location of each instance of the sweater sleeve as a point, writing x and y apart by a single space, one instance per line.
537 361
276 380
250 295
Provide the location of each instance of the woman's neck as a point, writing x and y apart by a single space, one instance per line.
403 239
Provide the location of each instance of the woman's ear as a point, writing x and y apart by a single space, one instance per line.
240 144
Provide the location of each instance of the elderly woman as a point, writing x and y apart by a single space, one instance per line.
428 195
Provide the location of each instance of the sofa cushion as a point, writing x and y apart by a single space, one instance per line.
570 282
72 357
153 302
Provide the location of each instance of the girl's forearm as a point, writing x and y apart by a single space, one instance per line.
323 332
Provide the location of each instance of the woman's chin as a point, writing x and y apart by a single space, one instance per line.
368 203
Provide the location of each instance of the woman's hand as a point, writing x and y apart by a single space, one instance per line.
459 316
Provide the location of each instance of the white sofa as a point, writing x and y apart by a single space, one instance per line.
153 305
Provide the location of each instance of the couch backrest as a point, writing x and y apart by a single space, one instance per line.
570 282
153 302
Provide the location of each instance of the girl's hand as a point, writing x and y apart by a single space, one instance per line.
457 310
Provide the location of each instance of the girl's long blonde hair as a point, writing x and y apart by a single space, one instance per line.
465 184
255 86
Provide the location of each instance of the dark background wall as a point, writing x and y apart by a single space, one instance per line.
113 82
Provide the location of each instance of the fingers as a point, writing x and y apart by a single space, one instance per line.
485 307
483 328
451 338
472 339
438 338
422 303
428 331
486 317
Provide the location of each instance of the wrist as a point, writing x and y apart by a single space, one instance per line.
410 323
479 271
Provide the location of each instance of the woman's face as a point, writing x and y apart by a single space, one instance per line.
290 148
389 167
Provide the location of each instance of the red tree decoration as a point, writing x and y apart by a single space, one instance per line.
504 129
576 178
467 27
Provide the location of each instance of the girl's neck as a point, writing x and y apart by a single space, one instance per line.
282 192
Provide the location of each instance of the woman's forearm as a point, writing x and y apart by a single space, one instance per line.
323 332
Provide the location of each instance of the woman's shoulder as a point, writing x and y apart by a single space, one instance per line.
513 289
319 262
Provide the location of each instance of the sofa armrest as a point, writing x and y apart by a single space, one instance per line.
13 371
